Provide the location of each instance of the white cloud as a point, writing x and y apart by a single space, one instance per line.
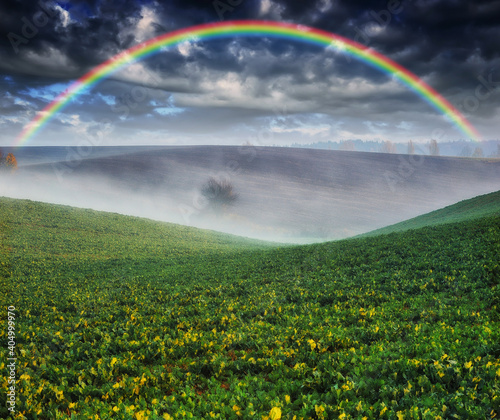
169 110
375 127
373 29
265 7
52 59
66 17
361 135
188 46
271 10
324 5
79 129
17 120
73 119
22 102
405 125
185 48
143 28
310 130
139 73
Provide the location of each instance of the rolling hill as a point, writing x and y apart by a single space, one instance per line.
474 208
286 194
122 317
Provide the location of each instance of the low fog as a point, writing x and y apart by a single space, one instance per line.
284 194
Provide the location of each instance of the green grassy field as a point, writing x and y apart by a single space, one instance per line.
467 210
124 318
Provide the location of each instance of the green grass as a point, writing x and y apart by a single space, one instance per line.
474 208
125 318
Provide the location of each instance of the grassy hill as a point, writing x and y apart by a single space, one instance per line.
119 317
474 208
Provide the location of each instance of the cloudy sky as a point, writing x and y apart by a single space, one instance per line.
242 90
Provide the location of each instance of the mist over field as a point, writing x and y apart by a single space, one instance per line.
285 194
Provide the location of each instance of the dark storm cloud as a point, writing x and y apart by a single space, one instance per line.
426 29
39 30
448 43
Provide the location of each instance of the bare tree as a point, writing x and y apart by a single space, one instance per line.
219 194
478 153
434 148
411 148
466 151
388 147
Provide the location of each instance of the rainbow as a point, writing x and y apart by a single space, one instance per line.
247 28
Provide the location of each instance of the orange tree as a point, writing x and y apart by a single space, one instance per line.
11 162
8 162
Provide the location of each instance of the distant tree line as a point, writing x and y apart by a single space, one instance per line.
462 148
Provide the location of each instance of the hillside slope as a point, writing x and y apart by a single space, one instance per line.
474 208
63 233
285 194
118 317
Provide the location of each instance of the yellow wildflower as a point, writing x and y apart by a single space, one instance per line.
275 413
312 344
319 411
